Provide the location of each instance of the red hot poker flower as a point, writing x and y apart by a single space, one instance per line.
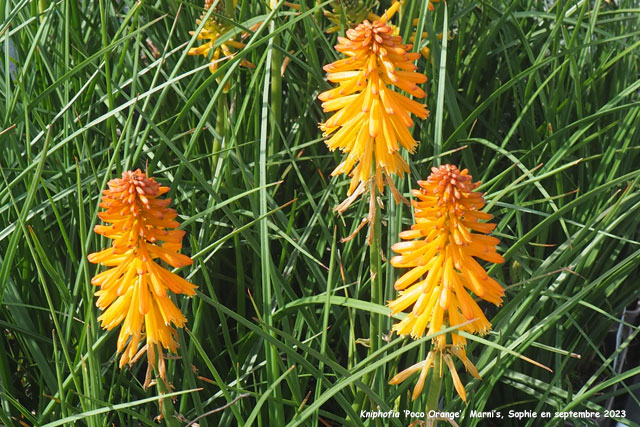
443 270
134 290
447 211
371 120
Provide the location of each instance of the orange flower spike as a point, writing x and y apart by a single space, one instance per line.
213 29
371 119
447 211
134 291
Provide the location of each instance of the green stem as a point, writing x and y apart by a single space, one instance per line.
276 99
168 411
42 6
435 384
107 72
229 9
241 288
166 404
442 75
375 269
318 13
221 113
376 273
267 134
377 292
221 120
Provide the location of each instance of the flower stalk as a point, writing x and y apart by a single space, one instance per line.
221 124
166 404
348 13
275 95
435 385
375 259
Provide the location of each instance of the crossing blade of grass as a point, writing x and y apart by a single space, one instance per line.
282 346
440 94
267 393
276 414
99 411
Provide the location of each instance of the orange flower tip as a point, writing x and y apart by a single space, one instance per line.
394 381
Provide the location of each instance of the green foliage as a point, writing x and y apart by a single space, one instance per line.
539 100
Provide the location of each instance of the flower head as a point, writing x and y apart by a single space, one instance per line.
443 268
425 50
212 31
371 120
442 261
134 290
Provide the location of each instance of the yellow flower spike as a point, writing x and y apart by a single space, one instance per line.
134 291
370 119
447 211
213 29
442 265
